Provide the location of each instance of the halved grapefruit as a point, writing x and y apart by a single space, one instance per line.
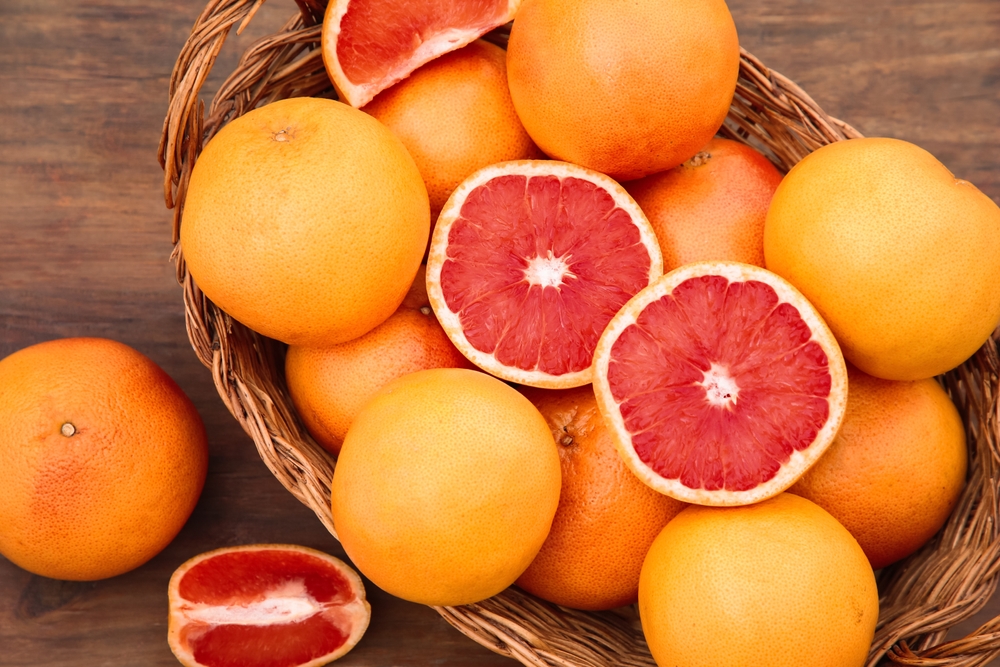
368 45
265 605
530 260
720 383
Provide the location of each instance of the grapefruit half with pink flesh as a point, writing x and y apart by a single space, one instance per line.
528 263
720 383
368 45
265 605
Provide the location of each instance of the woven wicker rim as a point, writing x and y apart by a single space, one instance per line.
948 581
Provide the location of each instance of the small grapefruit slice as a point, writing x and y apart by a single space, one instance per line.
530 260
368 45
720 383
265 605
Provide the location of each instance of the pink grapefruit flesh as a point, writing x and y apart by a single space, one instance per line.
530 260
721 383
368 45
265 606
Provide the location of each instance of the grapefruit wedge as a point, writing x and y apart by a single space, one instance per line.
530 260
720 383
265 605
368 45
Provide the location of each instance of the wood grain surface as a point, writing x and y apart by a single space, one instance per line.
85 245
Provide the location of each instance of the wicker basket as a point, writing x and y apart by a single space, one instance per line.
921 598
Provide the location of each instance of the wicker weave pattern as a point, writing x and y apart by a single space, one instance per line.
946 582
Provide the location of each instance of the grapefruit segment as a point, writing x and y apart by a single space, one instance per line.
721 384
529 261
265 605
368 45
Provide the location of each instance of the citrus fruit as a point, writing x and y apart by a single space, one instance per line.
264 605
102 458
625 89
529 261
368 45
330 385
901 258
306 221
711 207
720 383
454 115
446 486
757 586
606 518
896 469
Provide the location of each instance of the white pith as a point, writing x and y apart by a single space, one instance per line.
547 271
798 462
288 605
438 254
720 387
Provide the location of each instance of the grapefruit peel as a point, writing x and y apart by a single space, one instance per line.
719 386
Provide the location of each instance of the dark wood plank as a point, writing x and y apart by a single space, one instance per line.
85 251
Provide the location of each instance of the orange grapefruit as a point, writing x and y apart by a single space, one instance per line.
368 45
711 207
330 385
102 458
900 257
896 469
446 486
264 605
529 261
306 220
606 519
757 586
626 89
454 115
720 383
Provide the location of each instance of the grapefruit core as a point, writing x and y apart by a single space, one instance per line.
265 605
368 45
530 260
720 383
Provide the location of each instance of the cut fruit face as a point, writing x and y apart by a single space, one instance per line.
530 260
265 605
368 45
720 383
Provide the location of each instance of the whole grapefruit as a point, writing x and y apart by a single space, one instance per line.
901 258
102 458
305 220
445 487
626 89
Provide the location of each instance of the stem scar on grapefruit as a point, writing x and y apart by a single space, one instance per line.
529 261
368 45
720 383
265 605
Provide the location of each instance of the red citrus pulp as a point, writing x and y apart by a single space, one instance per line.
720 383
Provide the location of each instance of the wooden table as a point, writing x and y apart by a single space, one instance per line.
85 240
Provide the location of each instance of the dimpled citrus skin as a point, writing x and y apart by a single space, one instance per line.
901 258
445 487
896 469
626 89
757 586
306 220
112 494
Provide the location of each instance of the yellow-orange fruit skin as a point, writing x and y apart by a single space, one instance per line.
330 385
711 207
306 220
897 468
757 586
111 494
625 89
455 115
445 487
901 258
606 519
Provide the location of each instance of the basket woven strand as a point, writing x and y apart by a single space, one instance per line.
945 583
